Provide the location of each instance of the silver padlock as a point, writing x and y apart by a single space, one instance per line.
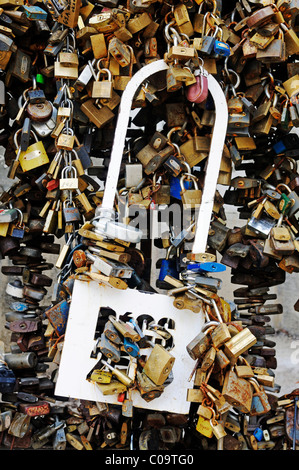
110 267
44 129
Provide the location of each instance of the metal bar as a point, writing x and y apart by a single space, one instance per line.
121 129
213 167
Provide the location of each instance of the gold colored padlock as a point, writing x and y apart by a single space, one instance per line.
159 364
191 198
35 155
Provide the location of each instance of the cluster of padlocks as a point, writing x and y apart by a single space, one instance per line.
121 107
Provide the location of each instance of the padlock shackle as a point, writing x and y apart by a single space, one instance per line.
189 176
121 130
209 325
18 132
255 384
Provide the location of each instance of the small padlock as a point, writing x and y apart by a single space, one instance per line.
66 139
281 239
69 182
70 212
238 344
237 391
244 370
260 403
168 266
17 229
101 376
36 95
208 41
102 88
35 155
220 47
191 198
159 364
217 428
66 72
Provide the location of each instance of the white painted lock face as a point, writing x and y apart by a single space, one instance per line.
266 435
15 290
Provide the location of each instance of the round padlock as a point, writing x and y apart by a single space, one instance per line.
26 360
79 258
39 112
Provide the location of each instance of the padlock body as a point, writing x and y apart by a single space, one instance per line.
34 157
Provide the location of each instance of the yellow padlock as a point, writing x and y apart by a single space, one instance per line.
35 155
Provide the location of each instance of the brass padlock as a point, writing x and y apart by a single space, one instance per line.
102 88
238 344
244 370
291 40
99 116
199 345
191 198
220 335
147 388
139 22
68 59
98 45
183 21
291 85
204 426
120 51
261 42
275 52
281 239
159 364
217 428
35 155
66 139
63 71
112 388
237 391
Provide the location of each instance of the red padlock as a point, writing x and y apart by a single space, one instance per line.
121 397
198 92
52 184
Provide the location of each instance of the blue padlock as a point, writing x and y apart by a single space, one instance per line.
260 403
279 147
175 186
34 12
58 315
258 434
168 267
131 347
221 48
19 306
288 142
207 267
7 379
